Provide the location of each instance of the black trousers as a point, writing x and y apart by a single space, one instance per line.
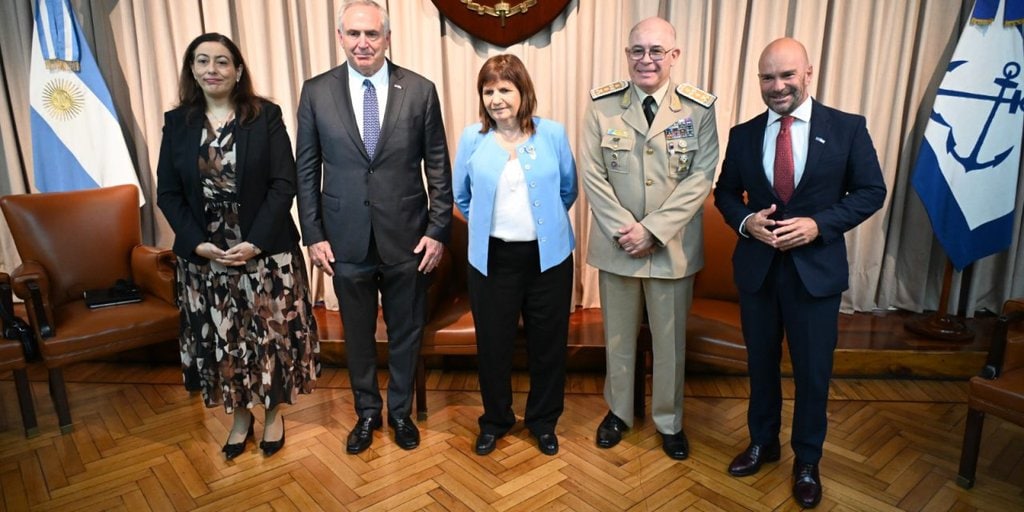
514 286
811 327
403 297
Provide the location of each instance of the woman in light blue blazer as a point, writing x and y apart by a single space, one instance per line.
514 181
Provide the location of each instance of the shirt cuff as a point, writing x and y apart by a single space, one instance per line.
743 226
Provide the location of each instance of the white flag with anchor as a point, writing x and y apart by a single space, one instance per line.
966 172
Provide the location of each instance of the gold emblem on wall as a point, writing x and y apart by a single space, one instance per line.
500 10
62 99
502 23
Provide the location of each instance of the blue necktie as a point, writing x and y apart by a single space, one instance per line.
371 116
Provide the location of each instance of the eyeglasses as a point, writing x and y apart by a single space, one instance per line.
657 53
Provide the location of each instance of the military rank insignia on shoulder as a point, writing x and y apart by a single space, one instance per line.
698 95
607 89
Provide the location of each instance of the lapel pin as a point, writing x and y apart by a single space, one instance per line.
398 86
819 140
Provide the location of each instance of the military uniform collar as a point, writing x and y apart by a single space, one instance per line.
658 95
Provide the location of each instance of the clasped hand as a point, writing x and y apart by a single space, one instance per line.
636 240
233 257
783 234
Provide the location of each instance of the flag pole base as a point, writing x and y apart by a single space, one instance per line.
941 327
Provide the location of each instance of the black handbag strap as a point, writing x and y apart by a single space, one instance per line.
14 328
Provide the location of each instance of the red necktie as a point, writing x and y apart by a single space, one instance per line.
783 176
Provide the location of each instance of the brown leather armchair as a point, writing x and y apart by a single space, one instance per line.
999 390
714 336
70 242
12 355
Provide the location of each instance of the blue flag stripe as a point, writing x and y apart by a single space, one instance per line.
46 155
962 244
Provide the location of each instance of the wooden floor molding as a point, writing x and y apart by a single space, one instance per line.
141 442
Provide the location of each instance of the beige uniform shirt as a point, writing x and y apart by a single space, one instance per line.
658 176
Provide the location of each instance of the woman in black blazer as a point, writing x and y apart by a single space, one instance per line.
226 182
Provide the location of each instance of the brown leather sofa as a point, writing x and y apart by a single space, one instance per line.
713 338
999 390
70 242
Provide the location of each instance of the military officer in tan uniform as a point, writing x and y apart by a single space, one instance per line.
651 148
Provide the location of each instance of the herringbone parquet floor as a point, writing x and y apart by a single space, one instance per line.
142 443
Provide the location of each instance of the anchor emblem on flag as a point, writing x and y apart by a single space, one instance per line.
1015 103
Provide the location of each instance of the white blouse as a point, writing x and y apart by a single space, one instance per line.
512 220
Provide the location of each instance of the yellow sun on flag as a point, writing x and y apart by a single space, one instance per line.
62 99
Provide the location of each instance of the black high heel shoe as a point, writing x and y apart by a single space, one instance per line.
271 447
232 450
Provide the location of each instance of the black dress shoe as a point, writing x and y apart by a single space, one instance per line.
609 432
548 443
271 447
675 445
485 443
806 485
232 450
750 461
407 436
362 434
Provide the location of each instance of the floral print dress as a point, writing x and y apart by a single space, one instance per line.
248 334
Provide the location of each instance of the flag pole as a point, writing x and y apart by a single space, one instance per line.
940 325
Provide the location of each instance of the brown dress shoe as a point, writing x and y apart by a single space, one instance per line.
806 485
750 461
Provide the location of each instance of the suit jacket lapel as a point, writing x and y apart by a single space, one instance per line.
633 115
193 140
757 148
242 133
396 97
343 102
666 114
821 125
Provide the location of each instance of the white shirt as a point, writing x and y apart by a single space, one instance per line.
355 91
512 220
800 132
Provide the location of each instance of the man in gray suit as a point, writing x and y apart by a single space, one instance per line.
368 132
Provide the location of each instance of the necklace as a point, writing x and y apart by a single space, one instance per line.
220 121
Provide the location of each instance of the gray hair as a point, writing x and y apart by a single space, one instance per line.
385 19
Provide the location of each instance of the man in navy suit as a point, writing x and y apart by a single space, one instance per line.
369 132
810 173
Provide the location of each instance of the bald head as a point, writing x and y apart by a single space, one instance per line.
654 39
784 72
653 24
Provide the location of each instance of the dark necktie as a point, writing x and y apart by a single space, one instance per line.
371 117
649 109
783 176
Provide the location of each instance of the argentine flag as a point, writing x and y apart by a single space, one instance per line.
76 138
966 172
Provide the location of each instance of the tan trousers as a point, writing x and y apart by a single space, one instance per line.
668 304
